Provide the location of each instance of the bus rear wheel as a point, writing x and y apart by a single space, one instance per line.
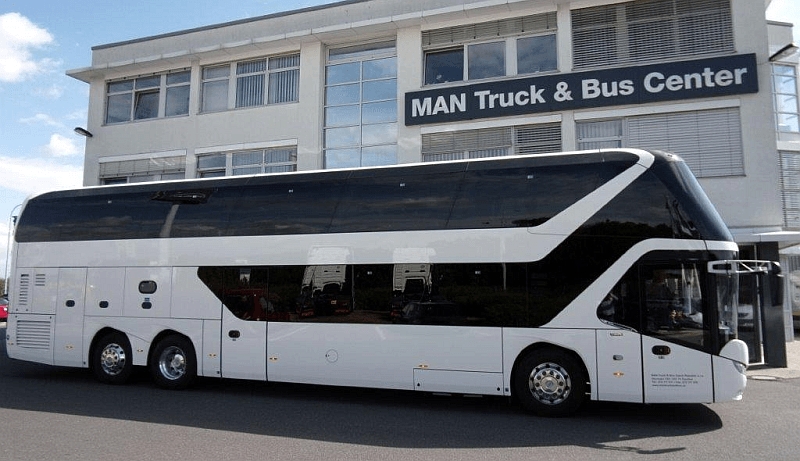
173 364
550 382
112 360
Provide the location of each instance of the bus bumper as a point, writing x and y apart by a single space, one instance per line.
730 377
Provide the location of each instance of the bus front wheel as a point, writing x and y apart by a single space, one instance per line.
550 382
173 364
112 361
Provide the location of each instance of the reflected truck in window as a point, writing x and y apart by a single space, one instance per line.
553 279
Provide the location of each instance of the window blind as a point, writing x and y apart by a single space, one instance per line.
492 142
790 188
650 30
161 165
709 141
486 30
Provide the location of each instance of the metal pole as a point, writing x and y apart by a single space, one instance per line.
8 248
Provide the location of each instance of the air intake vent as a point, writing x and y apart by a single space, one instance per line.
34 334
23 290
40 280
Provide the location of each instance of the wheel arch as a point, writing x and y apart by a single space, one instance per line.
99 334
165 333
543 345
169 360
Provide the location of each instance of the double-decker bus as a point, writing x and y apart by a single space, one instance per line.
552 279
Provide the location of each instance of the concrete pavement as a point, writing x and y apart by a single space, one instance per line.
765 372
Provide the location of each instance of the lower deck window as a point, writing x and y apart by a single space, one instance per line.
491 294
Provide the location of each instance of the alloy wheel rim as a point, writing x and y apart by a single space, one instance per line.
550 383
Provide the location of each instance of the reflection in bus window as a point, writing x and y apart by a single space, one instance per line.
621 305
674 304
419 294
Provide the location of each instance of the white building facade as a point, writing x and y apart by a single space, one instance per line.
376 82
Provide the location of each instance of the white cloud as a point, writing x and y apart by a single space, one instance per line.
18 36
51 92
62 146
81 114
33 176
24 177
42 119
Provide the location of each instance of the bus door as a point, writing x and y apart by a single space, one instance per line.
659 348
70 302
244 347
244 330
676 340
619 349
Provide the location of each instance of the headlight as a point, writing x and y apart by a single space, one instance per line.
740 367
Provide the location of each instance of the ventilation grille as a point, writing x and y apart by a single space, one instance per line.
34 334
24 290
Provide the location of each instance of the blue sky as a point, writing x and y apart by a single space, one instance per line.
39 105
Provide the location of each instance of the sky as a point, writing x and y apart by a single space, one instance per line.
40 105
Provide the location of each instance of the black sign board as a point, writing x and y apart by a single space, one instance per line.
724 76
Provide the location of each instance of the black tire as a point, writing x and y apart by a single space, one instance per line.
550 382
173 363
112 360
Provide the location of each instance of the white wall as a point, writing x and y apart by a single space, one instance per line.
752 201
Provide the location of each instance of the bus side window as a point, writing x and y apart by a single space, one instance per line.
674 304
621 304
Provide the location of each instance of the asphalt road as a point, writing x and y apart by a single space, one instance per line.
63 414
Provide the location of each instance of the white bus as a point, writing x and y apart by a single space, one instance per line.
553 279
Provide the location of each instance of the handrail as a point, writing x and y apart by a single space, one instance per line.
742 266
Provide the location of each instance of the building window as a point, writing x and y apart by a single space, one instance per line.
257 82
253 161
710 141
361 106
442 66
494 49
142 98
649 31
143 170
784 82
215 88
606 134
491 142
790 188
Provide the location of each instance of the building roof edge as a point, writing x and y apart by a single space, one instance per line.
229 23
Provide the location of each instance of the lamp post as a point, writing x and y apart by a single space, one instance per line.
83 132
8 247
